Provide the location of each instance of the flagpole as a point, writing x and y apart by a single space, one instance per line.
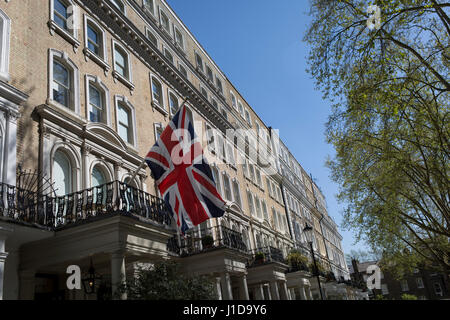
143 161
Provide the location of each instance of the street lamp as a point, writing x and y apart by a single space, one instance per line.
91 280
308 230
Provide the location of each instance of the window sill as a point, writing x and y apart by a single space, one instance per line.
91 55
126 82
63 33
65 110
159 108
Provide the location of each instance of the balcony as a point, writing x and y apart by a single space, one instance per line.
267 255
56 212
211 239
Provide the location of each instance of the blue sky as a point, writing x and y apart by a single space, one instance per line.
258 45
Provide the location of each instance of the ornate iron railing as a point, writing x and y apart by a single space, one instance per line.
57 211
206 239
267 255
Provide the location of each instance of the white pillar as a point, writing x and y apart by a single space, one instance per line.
243 289
3 256
259 294
309 293
27 284
274 290
11 278
118 275
218 290
284 291
302 293
227 293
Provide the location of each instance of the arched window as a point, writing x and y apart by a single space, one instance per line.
97 99
121 62
61 13
157 95
173 103
98 177
216 177
227 187
125 123
151 36
62 174
237 193
251 207
64 82
119 5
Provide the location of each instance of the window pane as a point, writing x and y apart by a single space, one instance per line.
98 178
124 121
60 14
96 105
120 63
119 5
62 173
173 101
152 38
61 84
157 91
93 40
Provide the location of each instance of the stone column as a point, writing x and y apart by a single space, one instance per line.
27 284
284 294
259 292
3 256
118 274
243 289
218 289
269 295
309 293
302 293
227 293
274 290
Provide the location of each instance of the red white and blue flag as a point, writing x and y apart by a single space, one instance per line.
183 175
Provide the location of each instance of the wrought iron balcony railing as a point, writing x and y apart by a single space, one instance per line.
207 239
58 211
267 255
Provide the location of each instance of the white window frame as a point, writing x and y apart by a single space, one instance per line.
182 46
201 67
154 33
156 127
218 178
161 12
234 105
63 58
71 35
100 85
5 46
117 6
116 75
226 177
170 52
201 92
171 92
238 201
124 100
181 65
145 6
404 285
156 104
100 60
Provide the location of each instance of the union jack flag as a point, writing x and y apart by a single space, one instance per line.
183 175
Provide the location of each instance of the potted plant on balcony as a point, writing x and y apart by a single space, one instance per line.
207 242
259 257
320 269
297 261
